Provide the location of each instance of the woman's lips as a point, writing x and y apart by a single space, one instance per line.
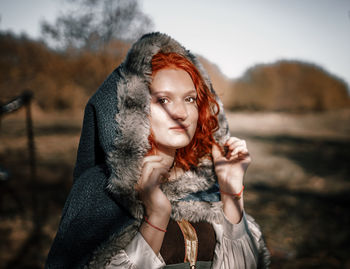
180 128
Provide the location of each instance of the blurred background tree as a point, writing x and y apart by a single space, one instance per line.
93 24
75 55
288 85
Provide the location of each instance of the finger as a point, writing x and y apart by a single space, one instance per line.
240 156
235 147
147 172
149 166
216 153
231 140
163 177
155 175
159 175
238 149
152 158
244 155
236 143
167 162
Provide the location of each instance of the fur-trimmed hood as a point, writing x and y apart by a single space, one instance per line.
196 186
102 208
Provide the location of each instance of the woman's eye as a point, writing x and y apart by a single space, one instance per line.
190 99
163 100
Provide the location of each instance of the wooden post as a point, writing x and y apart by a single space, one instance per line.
31 145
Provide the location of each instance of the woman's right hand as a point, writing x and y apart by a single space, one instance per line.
154 173
158 208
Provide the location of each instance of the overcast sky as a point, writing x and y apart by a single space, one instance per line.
232 34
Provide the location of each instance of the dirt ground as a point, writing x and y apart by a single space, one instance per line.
297 187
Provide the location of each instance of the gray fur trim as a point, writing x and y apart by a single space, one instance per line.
131 142
103 255
196 211
191 181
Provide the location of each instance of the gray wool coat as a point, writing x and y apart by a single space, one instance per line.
102 212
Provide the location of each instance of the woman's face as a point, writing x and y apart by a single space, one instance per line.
174 112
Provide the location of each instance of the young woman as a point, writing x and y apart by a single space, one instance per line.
158 180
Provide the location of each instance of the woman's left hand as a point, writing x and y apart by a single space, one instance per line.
230 169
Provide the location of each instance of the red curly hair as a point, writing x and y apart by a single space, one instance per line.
208 109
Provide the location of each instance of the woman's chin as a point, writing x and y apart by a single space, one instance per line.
176 144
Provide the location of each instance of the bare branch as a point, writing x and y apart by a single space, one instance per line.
96 23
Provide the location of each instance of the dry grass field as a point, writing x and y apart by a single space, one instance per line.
297 186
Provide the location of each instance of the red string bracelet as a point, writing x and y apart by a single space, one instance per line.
155 227
236 195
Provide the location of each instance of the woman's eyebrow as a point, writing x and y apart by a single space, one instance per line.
161 92
191 91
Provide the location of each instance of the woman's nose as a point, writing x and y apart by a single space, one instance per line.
179 111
